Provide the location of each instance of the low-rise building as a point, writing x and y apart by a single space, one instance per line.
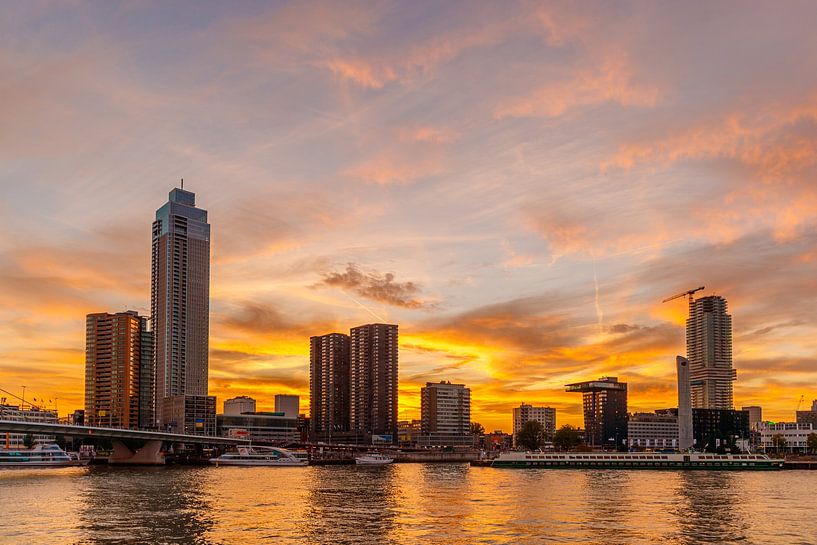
653 430
265 427
713 428
290 405
189 414
795 434
17 413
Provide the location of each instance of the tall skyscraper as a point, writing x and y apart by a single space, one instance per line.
118 370
373 388
709 351
180 298
329 385
546 416
445 410
605 410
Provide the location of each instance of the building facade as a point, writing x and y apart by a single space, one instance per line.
238 405
653 430
190 415
546 416
808 417
118 370
373 382
604 404
17 413
329 386
180 299
713 428
259 427
755 416
795 434
709 351
445 414
289 405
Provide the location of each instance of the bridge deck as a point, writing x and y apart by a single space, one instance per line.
113 433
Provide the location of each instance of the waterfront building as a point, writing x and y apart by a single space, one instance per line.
713 428
259 426
18 413
658 430
180 302
408 432
755 416
373 382
445 411
808 417
604 403
546 416
794 433
118 370
685 435
189 414
239 405
289 405
709 351
329 388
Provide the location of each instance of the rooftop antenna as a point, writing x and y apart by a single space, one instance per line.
182 183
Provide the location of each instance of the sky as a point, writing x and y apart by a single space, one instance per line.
518 185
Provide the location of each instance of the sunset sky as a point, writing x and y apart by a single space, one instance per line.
517 185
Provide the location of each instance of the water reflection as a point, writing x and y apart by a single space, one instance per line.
144 505
709 510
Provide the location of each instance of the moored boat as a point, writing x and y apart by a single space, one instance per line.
260 456
637 460
373 459
39 456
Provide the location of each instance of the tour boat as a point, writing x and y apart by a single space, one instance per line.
373 459
636 460
39 456
260 456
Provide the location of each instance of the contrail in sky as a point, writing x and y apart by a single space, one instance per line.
364 307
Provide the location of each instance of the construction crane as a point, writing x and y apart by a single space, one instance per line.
689 292
802 398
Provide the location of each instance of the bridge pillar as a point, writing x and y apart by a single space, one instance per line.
148 454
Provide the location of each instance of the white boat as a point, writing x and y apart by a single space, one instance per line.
373 459
260 456
636 460
39 456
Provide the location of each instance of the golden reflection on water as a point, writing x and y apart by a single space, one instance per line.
407 503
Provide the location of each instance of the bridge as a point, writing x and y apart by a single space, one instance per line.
149 453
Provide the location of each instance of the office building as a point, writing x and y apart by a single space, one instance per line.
373 382
709 351
189 414
180 299
546 416
261 427
604 404
289 405
329 377
755 416
239 405
795 434
118 370
445 414
658 430
713 428
18 413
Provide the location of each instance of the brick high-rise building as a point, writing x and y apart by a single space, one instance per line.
709 351
180 299
118 370
329 376
373 388
445 414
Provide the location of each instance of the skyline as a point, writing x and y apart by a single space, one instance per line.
522 230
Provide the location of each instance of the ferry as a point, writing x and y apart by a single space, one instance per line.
637 460
260 456
373 459
39 456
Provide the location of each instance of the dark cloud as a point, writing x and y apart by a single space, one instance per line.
377 287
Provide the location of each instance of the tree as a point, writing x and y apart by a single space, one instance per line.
566 438
531 436
477 429
811 442
779 442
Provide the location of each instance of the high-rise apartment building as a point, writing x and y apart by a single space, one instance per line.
118 370
329 377
546 416
445 411
180 293
373 387
605 410
709 351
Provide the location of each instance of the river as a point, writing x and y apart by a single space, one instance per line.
404 503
